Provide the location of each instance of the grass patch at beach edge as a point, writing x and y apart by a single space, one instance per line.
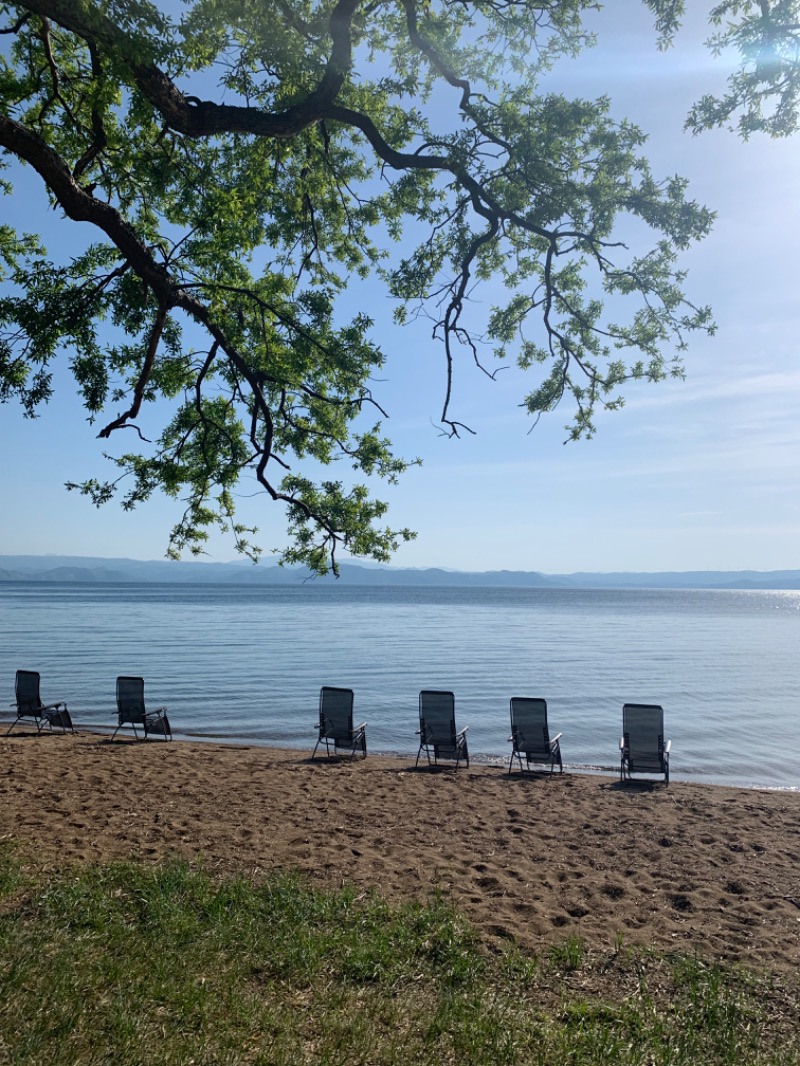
167 964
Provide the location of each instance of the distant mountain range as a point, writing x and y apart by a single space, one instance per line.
88 570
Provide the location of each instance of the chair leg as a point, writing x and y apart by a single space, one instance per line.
327 746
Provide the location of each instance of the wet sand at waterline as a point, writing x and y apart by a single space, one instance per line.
528 857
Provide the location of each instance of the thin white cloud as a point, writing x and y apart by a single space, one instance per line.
782 385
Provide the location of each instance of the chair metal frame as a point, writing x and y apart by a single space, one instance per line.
655 761
535 749
337 728
454 746
28 704
134 713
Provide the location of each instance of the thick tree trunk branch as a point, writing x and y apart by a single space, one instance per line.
203 118
80 206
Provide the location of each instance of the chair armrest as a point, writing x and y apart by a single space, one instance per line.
461 732
622 743
556 739
53 706
357 728
668 746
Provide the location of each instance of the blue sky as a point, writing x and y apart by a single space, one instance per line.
700 474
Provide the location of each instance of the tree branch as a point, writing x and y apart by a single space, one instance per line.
144 376
203 118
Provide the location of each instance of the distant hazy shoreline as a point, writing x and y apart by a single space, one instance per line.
62 569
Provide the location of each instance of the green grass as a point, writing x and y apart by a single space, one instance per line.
130 963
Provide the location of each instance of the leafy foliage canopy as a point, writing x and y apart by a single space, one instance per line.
242 162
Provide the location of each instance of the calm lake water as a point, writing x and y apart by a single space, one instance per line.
247 664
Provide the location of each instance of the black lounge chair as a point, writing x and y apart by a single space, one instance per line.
530 735
131 710
642 748
437 729
336 723
28 704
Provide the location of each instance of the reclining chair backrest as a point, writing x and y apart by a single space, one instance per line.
336 713
643 736
437 718
529 726
130 700
27 693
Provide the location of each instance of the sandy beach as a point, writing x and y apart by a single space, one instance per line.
685 867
